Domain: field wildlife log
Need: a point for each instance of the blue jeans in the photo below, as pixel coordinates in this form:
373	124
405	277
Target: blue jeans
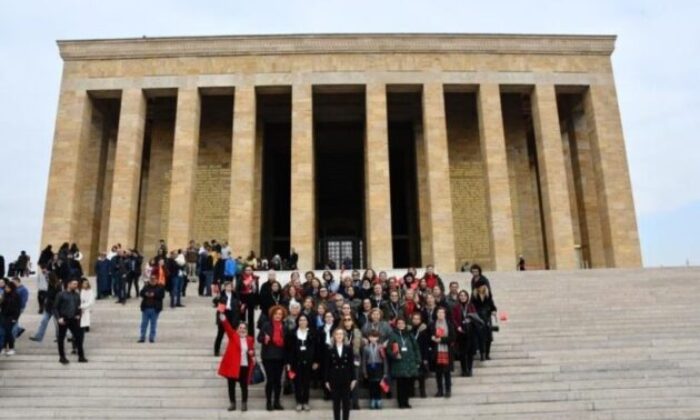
176	290
115	285
149	316
209	279
44	324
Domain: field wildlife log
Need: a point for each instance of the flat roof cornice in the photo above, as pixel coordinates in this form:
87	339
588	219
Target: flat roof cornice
238	45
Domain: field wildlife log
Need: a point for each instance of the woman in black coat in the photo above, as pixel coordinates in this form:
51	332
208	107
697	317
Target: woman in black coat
484	306
271	337
468	324
340	377
324	335
441	335
301	349
420	332
10	310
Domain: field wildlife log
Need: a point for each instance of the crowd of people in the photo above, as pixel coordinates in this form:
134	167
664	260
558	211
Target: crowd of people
63	294
364	330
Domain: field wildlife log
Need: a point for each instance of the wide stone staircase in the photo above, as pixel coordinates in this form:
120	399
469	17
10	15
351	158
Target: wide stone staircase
595	344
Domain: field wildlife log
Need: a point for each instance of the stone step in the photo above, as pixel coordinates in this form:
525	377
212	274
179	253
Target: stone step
629	353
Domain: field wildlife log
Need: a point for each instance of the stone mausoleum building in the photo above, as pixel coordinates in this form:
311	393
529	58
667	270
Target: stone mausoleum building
394	149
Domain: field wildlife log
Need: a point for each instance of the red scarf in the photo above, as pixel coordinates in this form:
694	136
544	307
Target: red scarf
277	338
410	307
430	280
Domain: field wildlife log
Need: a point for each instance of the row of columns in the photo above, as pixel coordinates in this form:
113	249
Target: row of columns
601	108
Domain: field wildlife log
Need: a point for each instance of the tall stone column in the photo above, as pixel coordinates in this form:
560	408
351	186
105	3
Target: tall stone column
184	168
377	185
619	222
426	250
127	169
242	226
303	201
72	131
493	150
555	192
438	170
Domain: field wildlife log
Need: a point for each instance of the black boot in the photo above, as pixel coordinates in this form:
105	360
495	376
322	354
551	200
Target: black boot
269	405
278	406
232	407
488	351
244	406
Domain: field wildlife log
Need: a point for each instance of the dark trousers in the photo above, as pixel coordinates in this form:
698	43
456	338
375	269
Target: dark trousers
249	316
375	392
74	326
121	288
40	296
132	280
466	361
202	284
185	281
421	385
341	401
242	382
176	291
220	334
7	326
443	376
403	389
302	383
273	375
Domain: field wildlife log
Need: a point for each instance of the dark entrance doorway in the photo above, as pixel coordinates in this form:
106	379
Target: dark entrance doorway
275	128
404	115
339	129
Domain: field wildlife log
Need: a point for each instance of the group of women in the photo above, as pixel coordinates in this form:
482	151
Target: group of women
372	331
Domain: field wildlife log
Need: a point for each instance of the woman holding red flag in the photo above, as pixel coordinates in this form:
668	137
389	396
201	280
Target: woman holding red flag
238	362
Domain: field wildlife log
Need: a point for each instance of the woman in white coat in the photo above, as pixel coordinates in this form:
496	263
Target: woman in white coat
87	300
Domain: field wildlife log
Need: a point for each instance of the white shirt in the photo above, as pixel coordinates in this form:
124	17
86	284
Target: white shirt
301	335
244	351
340	350
327	330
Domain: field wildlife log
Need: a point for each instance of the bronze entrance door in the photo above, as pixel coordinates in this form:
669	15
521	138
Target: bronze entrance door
336	250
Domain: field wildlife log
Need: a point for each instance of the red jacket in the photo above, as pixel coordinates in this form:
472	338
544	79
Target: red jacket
230	365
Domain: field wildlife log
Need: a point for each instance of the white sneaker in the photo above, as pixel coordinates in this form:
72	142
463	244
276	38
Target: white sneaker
10	353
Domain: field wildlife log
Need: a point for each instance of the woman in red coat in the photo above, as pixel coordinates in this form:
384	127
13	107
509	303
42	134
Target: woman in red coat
238	362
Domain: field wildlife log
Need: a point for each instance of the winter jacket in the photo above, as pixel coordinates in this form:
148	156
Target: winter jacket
404	353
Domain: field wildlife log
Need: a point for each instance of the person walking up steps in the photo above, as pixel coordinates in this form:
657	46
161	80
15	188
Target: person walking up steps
67	312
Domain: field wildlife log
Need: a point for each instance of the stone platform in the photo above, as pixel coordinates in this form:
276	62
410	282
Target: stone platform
597	344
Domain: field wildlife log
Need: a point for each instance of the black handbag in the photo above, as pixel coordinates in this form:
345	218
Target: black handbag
494	323
258	374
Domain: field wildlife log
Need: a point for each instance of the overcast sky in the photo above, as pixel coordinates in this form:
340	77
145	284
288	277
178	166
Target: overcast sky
656	63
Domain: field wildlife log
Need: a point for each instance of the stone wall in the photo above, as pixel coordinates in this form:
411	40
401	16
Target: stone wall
469	207
523	184
213	179
157	184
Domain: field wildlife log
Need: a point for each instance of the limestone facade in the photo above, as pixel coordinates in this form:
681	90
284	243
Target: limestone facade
519	148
